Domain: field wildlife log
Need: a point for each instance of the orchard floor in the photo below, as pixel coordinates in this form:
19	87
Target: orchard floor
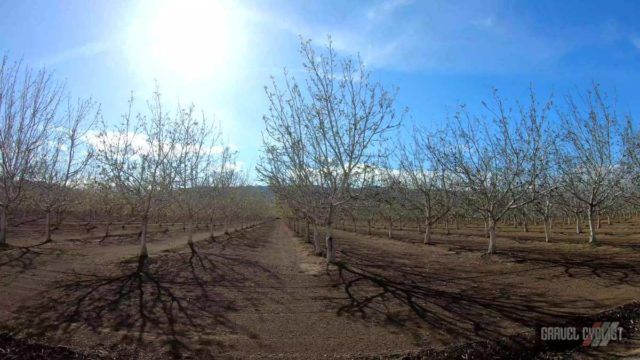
261	293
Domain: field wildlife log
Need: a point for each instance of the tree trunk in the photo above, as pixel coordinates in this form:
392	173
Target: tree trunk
211	226
592	227
355	226
578	228
58	218
47	230
457	219
369	227
599	223
316	241
143	239
486	229
190	236
3	225
390	229
306	233
106	231
608	219
331	251
547	230
525	223
492	237
427	233
446	226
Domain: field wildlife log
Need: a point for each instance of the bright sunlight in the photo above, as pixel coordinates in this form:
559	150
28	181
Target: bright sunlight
189	40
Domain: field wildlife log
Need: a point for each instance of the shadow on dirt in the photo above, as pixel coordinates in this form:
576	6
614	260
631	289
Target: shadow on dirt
177	300
469	307
575	263
23	257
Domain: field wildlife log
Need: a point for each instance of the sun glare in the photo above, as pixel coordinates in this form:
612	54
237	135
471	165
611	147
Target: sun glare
188	39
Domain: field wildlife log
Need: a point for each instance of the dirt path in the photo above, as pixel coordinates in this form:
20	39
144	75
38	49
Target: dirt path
296	308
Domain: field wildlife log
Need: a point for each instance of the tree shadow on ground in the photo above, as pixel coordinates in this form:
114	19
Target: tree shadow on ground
575	263
177	302
23	257
450	307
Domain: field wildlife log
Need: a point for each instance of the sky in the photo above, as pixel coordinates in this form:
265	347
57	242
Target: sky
220	54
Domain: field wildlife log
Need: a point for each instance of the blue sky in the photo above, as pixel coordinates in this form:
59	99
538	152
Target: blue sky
220	54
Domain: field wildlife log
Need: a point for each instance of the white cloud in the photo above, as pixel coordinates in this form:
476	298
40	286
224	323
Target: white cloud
97	140
635	41
385	8
85	50
139	142
479	37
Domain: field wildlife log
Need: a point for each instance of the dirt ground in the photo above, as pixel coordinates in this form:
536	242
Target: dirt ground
261	293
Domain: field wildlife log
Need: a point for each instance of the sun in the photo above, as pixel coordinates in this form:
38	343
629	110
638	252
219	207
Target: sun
188	39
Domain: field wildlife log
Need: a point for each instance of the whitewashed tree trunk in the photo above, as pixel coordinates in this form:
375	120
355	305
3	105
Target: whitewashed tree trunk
190	236
547	230
47	225
316	241
143	239
492	237
592	227
427	233
486	229
578	227
329	243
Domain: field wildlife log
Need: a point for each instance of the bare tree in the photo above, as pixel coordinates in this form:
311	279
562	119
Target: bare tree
63	158
222	175
390	206
139	159
325	136
230	201
496	163
631	163
428	182
196	142
28	104
590	155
